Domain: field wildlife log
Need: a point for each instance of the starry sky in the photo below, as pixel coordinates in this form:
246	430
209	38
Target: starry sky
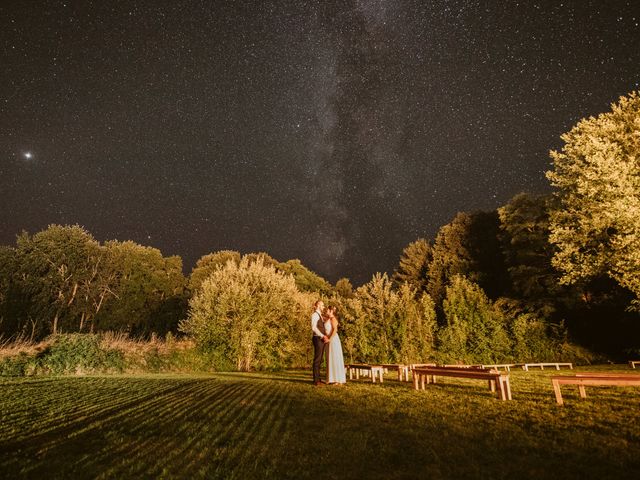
335	132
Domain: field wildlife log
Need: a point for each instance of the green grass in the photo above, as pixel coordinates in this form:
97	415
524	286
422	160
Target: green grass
279	426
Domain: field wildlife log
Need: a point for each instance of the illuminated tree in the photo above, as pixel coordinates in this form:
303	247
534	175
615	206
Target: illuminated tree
597	173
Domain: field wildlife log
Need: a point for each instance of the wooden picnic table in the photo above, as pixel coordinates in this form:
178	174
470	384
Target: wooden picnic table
497	380
557	365
358	368
592	379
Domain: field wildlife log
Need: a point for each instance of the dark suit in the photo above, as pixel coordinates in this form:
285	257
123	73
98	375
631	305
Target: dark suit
318	345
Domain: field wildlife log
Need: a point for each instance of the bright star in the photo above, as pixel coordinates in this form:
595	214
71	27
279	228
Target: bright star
28	155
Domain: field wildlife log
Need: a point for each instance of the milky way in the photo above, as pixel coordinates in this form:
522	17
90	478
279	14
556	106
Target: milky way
335	132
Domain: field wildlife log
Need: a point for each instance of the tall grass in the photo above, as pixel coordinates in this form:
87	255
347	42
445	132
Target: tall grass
110	352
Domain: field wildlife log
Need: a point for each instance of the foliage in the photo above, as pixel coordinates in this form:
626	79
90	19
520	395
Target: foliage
148	290
57	272
248	316
475	331
597	173
74	353
414	265
524	224
344	288
108	352
208	264
306	280
468	246
62	279
381	324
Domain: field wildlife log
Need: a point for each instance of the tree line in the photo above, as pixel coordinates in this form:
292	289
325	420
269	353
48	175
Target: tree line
515	283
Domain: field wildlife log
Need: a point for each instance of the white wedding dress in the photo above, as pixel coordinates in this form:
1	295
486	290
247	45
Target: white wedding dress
335	368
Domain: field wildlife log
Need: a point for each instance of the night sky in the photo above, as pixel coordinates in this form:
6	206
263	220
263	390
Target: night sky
335	132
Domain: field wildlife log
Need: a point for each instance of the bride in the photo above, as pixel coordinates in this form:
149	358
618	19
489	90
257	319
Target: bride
335	362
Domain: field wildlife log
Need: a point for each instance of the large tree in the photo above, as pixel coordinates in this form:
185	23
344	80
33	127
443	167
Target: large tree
597	174
249	316
58	272
148	290
468	246
414	265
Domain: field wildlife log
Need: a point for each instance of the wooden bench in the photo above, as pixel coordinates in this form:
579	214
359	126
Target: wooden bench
633	363
557	365
498	366
592	379
403	370
361	368
419	365
497	380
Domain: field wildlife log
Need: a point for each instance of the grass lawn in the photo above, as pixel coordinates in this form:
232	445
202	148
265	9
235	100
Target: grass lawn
280	426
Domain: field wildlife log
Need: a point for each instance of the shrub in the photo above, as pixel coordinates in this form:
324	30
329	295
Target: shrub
78	353
248	315
475	331
381	324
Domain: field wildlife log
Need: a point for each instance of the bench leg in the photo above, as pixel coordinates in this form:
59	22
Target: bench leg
556	390
381	376
415	381
583	393
350	374
373	377
502	394
557	367
492	386
422	379
507	385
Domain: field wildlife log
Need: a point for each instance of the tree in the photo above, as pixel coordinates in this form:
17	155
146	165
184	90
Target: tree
596	230
208	264
57	271
475	330
382	324
524	224
414	265
248	316
344	288
468	246
306	280
148	290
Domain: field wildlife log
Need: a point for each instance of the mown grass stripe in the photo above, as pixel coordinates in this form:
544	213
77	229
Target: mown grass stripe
139	423
269	445
133	464
238	435
62	430
48	450
236	413
92	404
212	443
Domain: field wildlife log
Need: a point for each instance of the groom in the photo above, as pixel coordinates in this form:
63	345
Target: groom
320	340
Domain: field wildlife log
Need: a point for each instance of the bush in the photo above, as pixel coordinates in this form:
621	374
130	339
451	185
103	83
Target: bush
248	315
384	325
78	353
475	331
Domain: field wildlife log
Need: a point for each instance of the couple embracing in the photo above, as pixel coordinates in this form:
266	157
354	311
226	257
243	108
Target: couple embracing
324	324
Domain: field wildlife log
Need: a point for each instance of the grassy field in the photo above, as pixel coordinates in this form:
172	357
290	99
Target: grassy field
279	426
